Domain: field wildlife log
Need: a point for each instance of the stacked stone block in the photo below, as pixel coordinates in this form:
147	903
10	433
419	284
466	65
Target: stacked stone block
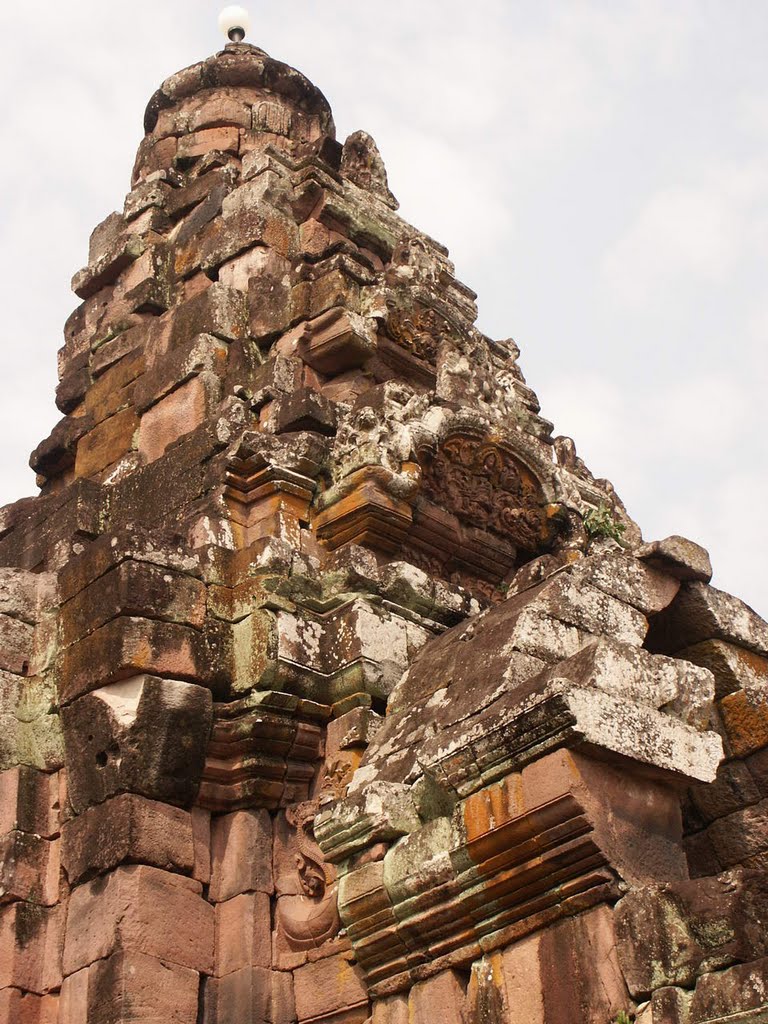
334	687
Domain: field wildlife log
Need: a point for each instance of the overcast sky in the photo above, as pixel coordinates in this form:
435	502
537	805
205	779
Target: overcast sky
599	171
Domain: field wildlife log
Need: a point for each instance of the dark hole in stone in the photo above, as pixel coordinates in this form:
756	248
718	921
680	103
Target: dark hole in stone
101	759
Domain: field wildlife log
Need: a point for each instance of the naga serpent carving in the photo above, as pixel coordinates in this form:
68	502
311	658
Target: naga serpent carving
310	918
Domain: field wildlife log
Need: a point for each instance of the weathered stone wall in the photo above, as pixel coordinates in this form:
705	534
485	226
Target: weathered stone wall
334	687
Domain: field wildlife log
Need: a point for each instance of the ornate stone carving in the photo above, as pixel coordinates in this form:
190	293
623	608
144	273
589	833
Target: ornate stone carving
419	331
362	164
338	774
485	485
307	913
314	875
272	117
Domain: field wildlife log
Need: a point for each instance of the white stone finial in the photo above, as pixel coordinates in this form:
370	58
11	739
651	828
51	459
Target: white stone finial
234	22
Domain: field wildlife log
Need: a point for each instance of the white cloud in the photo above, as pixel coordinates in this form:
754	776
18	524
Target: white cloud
679	233
691	235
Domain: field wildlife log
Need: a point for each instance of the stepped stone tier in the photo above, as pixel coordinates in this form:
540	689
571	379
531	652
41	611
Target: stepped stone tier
335	688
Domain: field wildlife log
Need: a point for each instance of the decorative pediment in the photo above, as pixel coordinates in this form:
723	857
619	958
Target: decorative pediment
482	483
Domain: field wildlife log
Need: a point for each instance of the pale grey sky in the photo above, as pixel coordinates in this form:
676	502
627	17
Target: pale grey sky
599	171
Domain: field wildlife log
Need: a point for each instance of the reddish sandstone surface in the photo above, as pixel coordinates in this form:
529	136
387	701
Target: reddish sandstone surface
334	687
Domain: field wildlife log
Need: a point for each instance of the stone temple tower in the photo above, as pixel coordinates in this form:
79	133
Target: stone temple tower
335	688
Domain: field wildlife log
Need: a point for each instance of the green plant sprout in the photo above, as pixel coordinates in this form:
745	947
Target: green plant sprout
600	522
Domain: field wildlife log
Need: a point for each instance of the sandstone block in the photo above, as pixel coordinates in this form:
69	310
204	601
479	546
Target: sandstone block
745	717
700	853
219	311
154	156
127	828
225	239
31	939
733	667
629	580
201	354
144	196
16	645
128	646
549	639
264	276
670	1006
241	855
225	139
733	789
278	376
644	735
394	1010
105	236
440	998
678	557
468	755
201	838
700	612
520	969
131	988
23	594
420	861
134	588
382	812
676	687
362	893
217	183
126	737
243	933
250	994
29	869
353	730
671	934
73	999
29	801
140	909
336	283
18	1007
338	340
106	443
179	413
333	984
113	390
363	634
570	972
124	542
305	409
218	111
636	821
740	993
315	238
577	603
30	731
106	270
741	836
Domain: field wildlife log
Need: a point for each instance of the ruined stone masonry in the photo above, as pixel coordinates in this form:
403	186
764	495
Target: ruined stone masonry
335	688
